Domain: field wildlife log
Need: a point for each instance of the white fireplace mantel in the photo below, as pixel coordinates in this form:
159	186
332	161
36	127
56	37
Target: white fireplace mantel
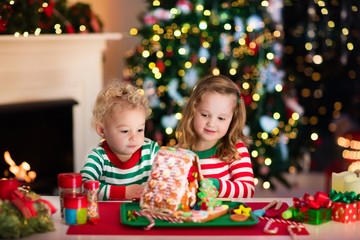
52	67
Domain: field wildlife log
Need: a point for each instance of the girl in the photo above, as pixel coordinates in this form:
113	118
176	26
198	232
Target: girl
122	162
212	126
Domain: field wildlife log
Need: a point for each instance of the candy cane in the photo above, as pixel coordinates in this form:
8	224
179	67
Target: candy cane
283	221
267	227
152	222
169	219
291	232
151	217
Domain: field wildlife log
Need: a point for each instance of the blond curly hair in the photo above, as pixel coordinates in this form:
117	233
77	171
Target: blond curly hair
185	132
121	94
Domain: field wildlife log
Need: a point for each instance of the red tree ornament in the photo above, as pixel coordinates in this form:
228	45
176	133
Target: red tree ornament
49	9
161	66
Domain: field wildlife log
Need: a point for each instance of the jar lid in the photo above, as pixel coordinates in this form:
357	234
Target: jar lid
91	184
75	201
69	180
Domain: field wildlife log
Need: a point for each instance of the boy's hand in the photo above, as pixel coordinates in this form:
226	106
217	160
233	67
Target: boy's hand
133	191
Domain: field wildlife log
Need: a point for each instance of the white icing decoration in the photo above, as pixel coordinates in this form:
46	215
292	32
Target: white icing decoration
162	185
166	173
171	162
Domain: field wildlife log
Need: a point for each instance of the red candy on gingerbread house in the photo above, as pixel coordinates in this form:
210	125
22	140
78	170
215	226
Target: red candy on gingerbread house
172	189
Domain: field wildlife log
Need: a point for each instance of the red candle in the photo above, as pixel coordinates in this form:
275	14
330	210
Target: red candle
7	187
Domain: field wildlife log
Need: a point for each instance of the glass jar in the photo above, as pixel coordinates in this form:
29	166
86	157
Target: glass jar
69	183
75	209
91	190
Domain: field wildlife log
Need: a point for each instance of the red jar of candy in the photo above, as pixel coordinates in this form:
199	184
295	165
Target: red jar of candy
75	209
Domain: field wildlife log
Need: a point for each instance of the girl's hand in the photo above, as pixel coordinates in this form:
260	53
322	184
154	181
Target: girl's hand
133	191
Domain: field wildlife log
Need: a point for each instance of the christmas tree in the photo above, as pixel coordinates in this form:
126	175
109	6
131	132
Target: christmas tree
182	41
24	18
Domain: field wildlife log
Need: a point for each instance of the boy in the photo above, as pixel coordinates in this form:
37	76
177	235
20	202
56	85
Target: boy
123	160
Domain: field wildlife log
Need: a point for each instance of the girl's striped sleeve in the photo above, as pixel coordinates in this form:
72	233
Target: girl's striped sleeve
242	183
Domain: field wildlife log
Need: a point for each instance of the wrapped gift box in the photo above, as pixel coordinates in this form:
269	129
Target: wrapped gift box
310	209
312	216
345	212
346	206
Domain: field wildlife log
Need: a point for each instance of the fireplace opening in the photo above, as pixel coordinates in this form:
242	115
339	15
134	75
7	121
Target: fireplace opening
41	134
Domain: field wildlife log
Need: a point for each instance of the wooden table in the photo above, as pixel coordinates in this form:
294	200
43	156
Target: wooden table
329	230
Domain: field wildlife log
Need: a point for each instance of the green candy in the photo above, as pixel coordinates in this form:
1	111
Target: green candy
186	214
81	216
287	214
202	195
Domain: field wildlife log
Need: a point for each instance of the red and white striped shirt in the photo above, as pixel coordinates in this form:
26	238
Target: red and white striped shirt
236	179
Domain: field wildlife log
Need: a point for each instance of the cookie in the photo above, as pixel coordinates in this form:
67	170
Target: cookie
238	217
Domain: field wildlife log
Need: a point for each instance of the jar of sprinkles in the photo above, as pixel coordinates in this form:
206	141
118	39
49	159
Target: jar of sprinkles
91	190
75	209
